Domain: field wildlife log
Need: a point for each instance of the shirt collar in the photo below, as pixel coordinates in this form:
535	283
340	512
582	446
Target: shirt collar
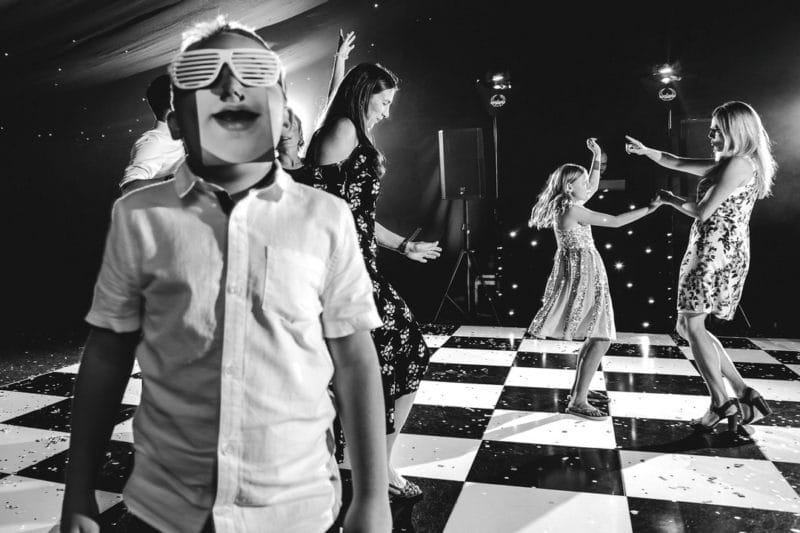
186	180
162	127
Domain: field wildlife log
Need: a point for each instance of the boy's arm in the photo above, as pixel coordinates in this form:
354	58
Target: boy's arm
357	386
105	368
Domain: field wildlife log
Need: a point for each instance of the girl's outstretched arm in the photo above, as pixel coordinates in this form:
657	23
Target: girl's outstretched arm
696	167
580	215
343	49
736	173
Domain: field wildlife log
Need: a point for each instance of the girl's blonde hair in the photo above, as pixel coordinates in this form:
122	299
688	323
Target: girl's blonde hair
554	200
744	135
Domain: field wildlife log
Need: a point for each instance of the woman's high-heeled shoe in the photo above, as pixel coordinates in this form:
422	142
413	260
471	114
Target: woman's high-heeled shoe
754	401
722	412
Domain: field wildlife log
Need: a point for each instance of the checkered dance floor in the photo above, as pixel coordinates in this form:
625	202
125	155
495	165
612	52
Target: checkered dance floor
489	444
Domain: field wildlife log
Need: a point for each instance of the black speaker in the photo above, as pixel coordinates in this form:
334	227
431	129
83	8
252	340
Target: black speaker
461	163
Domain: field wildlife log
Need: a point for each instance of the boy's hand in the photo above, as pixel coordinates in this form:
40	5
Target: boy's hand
591	143
368	515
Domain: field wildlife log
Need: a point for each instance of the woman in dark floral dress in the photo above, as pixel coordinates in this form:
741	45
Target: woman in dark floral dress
342	160
717	257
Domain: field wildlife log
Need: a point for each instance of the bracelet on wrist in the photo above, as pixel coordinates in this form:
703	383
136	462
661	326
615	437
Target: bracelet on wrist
403	248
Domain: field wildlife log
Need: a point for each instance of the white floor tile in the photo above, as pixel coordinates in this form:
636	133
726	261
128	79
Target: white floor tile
551	378
34	505
13	403
550	428
658	406
71	369
461	356
484	508
21	447
434	457
792	345
133	392
655	339
495	332
711	480
123	431
547	346
649	365
778	443
434	341
795	369
458	394
740	355
776	389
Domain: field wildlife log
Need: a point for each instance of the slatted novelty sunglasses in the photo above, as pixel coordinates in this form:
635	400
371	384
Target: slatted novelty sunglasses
254	67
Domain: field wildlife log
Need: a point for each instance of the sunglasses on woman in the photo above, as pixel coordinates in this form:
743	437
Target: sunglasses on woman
254	67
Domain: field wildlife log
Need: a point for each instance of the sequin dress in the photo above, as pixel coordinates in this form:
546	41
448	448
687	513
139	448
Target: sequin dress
717	257
401	347
576	303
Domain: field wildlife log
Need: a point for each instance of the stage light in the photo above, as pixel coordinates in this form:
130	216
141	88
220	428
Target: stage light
632	207
665	70
630	232
650	301
645	324
647	250
497	100
512	233
514	286
600	197
534	243
510	312
619	265
608	246
665	80
629	284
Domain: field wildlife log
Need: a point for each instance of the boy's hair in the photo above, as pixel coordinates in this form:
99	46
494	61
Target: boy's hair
159	96
553	200
744	135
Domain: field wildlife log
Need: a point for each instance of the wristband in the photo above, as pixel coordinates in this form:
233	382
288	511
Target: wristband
403	246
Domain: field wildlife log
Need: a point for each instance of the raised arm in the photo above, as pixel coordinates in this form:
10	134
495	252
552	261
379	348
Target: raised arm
694	166
105	368
357	386
581	215
343	49
594	169
736	173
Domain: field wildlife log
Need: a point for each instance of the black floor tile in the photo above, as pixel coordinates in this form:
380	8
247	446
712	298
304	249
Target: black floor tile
533	399
786	357
663	515
654	383
567	361
483	343
439	329
446	421
455	373
766	371
114	519
57	416
636	350
680	341
784	414
549	467
790	472
670	436
738	342
114	472
54	383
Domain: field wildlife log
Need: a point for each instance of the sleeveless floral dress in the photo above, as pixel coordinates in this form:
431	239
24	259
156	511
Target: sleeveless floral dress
576	303
717	257
402	352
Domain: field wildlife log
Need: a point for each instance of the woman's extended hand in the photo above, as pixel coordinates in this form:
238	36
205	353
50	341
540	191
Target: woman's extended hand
635	147
422	251
345	45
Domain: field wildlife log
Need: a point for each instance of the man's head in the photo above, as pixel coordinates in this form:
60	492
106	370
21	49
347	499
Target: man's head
228	95
603	162
159	96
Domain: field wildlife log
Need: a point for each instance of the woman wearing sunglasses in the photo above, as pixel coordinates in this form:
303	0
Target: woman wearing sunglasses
343	160
717	257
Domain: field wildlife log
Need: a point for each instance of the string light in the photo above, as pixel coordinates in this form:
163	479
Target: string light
648	250
514	286
534	243
608	246
619	265
512	233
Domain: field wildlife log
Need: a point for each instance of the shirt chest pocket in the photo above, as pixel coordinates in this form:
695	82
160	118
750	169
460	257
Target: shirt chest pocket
293	284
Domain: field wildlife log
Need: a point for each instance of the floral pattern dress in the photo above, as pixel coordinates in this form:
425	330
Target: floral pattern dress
576	303
717	257
401	348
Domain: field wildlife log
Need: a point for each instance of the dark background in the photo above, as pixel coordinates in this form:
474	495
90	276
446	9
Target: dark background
576	72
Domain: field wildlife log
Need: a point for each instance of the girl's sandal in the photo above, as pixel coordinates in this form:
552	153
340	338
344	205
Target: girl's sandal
589	413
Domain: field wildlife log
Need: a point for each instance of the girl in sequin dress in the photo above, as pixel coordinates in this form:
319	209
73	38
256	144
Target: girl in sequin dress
717	257
577	303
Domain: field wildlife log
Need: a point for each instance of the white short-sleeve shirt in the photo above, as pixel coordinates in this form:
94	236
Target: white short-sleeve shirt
235	412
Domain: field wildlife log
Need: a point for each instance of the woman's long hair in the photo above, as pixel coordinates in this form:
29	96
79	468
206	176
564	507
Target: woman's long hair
745	135
351	101
554	200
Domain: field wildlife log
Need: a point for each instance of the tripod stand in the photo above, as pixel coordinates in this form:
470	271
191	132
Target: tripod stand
466	256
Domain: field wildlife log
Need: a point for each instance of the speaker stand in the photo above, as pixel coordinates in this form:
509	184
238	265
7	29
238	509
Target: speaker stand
466	256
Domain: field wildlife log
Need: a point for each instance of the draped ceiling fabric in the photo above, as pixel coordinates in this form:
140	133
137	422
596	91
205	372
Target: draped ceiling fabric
77	43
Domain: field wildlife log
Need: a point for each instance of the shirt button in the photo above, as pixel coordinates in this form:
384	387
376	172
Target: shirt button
231	289
229	370
228	449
